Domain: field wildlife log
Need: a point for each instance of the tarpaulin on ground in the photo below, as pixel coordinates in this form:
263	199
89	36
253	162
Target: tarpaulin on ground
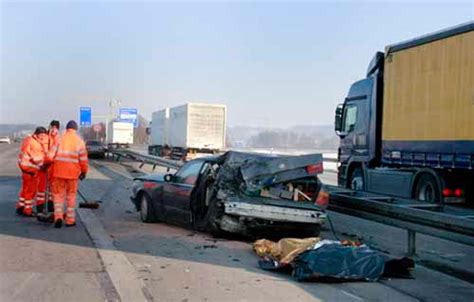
313	259
335	261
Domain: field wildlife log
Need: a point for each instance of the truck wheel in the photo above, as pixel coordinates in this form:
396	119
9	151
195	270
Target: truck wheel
147	214
427	189
356	181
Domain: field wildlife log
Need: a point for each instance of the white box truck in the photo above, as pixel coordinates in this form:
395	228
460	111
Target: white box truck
182	131
120	134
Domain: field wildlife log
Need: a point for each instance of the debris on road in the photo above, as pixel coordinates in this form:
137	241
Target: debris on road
315	259
253	191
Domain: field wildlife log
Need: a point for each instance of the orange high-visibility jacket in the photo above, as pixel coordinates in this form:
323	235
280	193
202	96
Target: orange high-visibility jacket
70	159
50	144
31	156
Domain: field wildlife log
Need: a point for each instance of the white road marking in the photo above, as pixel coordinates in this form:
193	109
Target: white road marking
122	273
352	295
23	284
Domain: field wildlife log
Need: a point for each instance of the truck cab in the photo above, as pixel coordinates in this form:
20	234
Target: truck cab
356	124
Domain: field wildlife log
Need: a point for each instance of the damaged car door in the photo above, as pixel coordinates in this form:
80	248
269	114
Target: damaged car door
177	191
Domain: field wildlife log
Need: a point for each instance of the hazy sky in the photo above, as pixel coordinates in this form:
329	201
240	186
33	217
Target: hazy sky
273	64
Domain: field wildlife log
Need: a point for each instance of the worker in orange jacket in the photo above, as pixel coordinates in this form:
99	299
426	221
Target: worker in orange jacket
44	181
30	161
70	163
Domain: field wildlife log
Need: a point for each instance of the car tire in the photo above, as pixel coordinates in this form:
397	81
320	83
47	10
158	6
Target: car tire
356	181
147	211
427	189
209	221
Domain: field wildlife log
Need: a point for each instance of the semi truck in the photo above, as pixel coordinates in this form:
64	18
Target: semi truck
407	129
182	132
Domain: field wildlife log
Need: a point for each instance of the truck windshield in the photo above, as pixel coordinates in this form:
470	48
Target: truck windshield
350	117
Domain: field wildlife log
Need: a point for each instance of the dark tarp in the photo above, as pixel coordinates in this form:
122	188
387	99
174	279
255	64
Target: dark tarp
338	262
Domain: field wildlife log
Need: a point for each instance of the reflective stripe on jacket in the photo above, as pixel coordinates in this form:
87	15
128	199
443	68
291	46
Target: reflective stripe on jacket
70	156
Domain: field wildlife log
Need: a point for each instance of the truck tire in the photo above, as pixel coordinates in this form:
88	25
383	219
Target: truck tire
356	180
147	211
427	189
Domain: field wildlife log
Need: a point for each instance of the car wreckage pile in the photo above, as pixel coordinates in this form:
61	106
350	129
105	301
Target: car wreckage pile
239	192
315	259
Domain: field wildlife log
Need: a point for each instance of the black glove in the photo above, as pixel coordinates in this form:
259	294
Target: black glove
82	176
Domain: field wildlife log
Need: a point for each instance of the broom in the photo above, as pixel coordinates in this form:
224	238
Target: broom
49	217
87	204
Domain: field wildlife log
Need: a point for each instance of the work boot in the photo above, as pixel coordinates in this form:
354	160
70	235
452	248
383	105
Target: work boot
19	211
58	223
70	224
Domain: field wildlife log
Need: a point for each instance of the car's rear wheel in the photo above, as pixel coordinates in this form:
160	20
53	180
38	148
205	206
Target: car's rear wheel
206	218
147	213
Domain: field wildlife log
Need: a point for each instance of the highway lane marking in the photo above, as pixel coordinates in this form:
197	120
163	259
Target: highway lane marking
124	277
23	284
352	295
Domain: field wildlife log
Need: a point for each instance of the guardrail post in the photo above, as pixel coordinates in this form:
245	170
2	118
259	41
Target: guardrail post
411	243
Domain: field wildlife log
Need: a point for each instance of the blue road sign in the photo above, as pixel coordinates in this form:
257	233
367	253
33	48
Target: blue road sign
129	115
85	116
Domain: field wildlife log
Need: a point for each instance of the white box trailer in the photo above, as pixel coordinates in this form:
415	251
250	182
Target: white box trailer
190	128
119	133
159	127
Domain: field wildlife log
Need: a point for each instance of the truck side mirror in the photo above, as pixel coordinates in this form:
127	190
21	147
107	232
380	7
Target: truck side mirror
338	118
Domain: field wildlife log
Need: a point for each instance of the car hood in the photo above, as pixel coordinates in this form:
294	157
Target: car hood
152	177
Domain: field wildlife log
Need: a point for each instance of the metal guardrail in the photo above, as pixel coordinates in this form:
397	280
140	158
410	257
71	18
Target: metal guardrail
414	216
159	161
145	159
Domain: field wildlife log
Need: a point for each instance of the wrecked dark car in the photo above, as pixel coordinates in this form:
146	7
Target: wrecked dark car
238	193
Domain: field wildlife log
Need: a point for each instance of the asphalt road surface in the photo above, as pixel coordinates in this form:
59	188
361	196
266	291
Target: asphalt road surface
112	256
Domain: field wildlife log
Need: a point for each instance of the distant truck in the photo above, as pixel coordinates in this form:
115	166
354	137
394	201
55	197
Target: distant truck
407	129
119	134
183	131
